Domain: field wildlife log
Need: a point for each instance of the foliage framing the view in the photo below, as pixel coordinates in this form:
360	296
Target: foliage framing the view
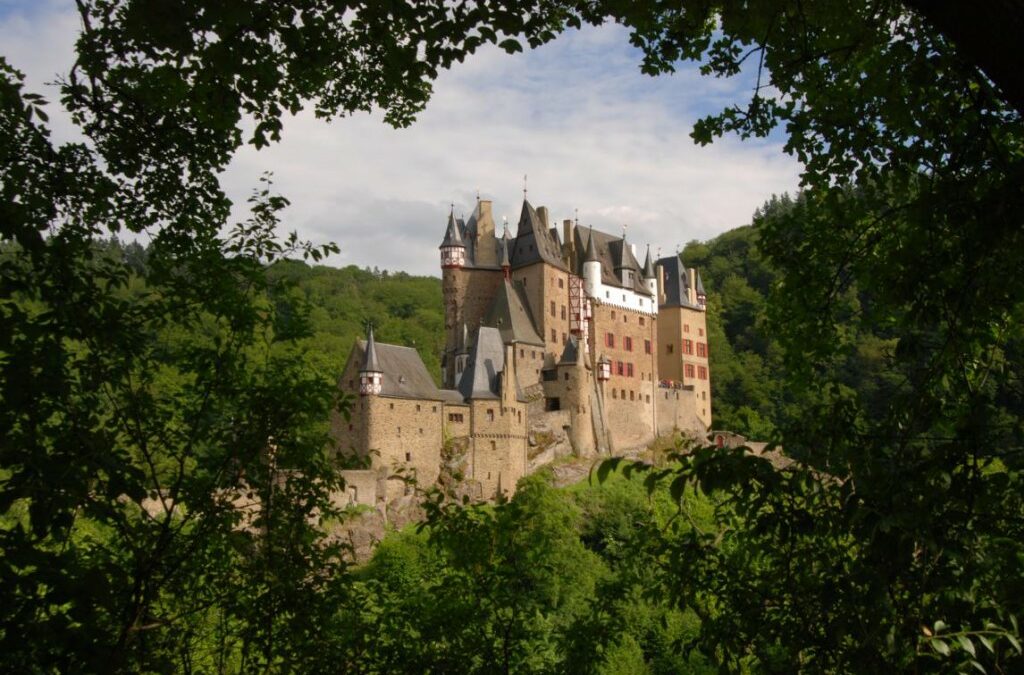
894	538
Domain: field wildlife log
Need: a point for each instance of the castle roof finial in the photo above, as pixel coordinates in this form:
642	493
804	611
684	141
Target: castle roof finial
524	187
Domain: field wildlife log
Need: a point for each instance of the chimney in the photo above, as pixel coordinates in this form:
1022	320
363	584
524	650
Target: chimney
542	215
660	270
568	240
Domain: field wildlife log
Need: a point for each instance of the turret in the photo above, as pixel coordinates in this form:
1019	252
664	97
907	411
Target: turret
370	375
702	297
604	368
506	265
650	276
591	268
453	248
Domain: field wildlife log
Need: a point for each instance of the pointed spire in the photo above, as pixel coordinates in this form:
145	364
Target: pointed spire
649	266
370	362
505	264
452	235
591	254
699	286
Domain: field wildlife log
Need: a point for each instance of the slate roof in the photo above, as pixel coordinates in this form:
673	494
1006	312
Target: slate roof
572	354
509	314
613	253
405	376
649	272
675	282
371	364
453	233
486	360
533	242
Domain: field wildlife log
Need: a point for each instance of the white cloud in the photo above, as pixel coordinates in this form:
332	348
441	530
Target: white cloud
576	116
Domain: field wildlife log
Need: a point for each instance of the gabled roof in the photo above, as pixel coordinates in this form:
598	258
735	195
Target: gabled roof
533	242
611	252
486	361
676	283
404	375
509	314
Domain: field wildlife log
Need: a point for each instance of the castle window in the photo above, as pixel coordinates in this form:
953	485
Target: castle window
433	408
647	346
554	335
686	328
490	414
703	396
563	311
533	353
687	346
623	392
614	393
567	376
632	394
564	338
668	348
609	340
391	406
688	369
629	370
552	308
399	431
607	294
623	297
522	353
702	349
625	318
613	313
408	456
421	431
455	417
648	399
417	407
561	283
494	446
620	368
642	320
627	343
700	331
702	373
520	415
552	404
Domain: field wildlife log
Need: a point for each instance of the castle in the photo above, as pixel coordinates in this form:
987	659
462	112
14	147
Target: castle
545	329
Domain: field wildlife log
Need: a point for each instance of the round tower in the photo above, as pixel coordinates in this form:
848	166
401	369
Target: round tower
591	268
453	248
650	276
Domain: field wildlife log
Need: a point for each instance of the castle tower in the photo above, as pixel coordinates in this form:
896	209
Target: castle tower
682	334
371	376
650	276
453	248
591	268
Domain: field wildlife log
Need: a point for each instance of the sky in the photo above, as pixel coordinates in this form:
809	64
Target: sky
594	137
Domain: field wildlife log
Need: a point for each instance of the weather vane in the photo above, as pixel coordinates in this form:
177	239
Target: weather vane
623	230
524	186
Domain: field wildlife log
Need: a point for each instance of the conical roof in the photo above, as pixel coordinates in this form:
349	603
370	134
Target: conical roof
370	361
649	266
452	235
503	244
591	255
699	286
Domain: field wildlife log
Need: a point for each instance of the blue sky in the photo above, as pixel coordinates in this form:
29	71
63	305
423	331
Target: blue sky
576	116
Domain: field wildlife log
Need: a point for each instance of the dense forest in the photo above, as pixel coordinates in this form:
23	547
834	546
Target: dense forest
164	492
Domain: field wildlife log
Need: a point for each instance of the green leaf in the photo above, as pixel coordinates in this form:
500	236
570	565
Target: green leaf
940	646
966	643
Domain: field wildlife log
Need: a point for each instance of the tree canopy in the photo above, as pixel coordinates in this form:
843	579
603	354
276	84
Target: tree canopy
136	417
